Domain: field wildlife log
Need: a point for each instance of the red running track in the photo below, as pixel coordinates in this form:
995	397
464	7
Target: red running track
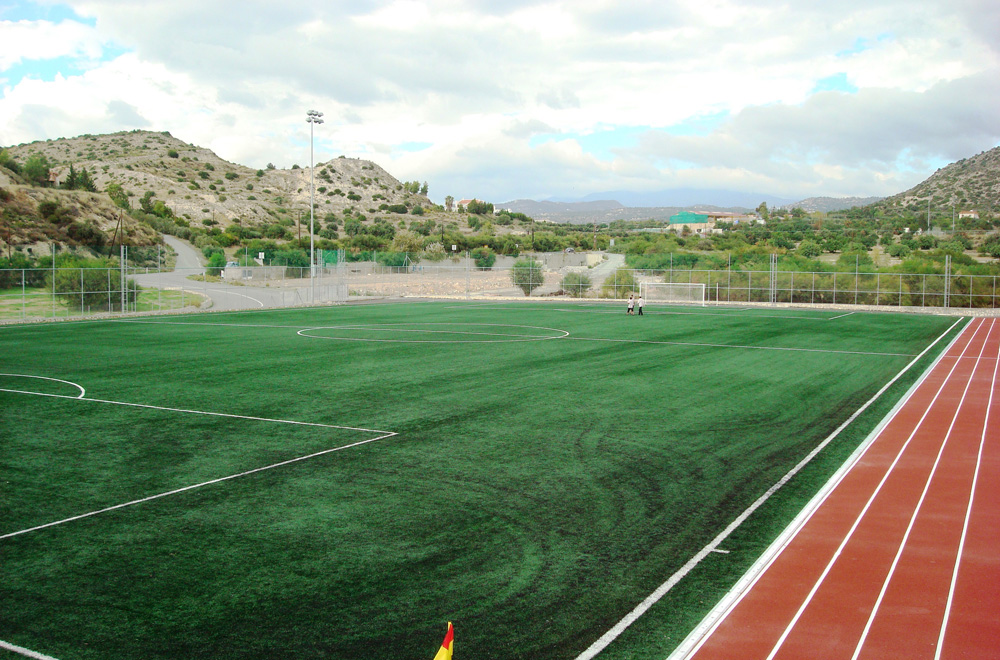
902	557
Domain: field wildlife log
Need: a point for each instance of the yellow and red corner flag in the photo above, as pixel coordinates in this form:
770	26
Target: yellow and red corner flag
447	646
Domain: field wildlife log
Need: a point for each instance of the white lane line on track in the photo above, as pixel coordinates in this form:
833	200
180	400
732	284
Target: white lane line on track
919	506
692	563
968	514
864	511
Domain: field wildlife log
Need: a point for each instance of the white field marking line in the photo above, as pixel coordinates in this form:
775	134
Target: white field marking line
761	348
585	309
229	293
864	510
197	324
23	651
703	631
841	316
56	380
968	515
390	328
382	436
664	588
193	486
918	507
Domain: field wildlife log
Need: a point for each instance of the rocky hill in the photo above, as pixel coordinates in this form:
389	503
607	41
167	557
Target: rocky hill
971	184
201	187
829	204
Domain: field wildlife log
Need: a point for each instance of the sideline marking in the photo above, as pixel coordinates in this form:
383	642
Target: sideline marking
589	309
761	348
23	651
672	581
383	435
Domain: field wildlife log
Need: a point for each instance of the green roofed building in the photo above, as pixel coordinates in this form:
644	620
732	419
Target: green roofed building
696	222
688	218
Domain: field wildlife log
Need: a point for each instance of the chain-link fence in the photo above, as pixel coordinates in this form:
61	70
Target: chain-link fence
29	294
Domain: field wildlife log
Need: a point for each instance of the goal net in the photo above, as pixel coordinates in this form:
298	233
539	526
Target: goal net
693	293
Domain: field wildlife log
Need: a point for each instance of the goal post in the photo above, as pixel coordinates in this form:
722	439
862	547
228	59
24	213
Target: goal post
673	292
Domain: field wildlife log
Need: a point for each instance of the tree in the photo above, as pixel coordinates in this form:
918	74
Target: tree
576	284
84	182
763	212
423	189
146	202
527	275
810	249
71	179
36	169
118	196
484	258
449	202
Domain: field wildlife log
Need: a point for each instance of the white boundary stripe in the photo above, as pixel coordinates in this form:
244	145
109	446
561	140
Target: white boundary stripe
760	348
840	316
382	436
664	588
23	651
968	515
589	309
920	504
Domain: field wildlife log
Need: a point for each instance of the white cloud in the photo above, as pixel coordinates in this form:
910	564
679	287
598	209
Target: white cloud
480	81
43	40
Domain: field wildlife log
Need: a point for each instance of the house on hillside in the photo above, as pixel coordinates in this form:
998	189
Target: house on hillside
974	215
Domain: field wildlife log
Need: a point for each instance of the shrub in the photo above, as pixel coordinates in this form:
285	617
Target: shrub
527	275
619	284
576	284
484	258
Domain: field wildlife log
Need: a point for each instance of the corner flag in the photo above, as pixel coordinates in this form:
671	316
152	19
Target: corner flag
447	646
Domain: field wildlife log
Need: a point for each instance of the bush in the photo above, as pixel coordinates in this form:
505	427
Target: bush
576	284
484	258
100	292
216	263
619	284
527	275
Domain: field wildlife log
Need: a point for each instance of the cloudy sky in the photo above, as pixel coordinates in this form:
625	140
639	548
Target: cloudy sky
527	99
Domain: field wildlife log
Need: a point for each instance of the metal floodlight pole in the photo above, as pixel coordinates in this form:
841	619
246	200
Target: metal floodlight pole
312	117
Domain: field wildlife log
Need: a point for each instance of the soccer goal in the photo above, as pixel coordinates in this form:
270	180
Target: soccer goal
690	293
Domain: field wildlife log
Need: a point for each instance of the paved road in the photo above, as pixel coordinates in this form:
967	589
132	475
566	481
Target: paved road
223	297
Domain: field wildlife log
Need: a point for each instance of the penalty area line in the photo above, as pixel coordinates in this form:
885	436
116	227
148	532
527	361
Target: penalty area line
14	648
194	486
381	436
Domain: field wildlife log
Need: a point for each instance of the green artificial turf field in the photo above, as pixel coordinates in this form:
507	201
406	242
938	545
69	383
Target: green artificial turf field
530	472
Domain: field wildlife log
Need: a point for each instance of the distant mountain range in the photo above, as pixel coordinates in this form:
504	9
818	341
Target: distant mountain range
624	205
